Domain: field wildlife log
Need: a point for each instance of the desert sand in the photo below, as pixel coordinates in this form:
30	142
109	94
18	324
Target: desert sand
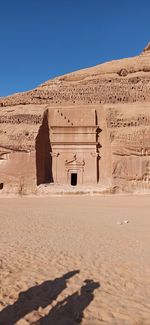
71	260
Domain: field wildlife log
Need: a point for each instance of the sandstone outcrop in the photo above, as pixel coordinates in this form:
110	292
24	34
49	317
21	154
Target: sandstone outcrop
118	92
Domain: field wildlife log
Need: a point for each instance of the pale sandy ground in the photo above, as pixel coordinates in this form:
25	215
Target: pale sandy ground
42	239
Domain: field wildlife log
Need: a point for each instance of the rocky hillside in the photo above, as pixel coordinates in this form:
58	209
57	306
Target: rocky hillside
119	91
125	81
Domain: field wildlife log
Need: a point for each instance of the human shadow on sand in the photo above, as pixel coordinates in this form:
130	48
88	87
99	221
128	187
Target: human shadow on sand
38	296
70	310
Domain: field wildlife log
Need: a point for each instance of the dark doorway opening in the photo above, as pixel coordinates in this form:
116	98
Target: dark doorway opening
73	179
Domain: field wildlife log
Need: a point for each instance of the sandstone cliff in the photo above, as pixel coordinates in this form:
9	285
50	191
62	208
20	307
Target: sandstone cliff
125	80
119	91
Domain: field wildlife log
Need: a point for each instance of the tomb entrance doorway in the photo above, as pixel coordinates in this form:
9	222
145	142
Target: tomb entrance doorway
74	179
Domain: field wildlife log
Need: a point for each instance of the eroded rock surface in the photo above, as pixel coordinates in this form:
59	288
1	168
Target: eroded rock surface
125	80
119	91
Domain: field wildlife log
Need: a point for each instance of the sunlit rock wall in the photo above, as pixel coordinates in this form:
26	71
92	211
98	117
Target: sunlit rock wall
119	91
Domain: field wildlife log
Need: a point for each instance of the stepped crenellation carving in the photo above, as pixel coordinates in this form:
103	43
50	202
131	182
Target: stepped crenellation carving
66	119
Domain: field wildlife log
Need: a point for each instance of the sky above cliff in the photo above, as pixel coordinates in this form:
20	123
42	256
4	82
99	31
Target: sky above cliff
40	39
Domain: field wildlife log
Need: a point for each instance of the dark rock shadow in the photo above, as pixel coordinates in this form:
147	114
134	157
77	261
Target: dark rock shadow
43	153
70	310
38	296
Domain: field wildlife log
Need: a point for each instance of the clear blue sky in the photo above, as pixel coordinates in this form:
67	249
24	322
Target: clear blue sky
40	39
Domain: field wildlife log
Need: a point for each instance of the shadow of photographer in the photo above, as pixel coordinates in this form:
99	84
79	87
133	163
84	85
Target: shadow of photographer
38	296
70	310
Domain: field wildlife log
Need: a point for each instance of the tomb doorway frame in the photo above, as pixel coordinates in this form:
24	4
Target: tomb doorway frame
75	167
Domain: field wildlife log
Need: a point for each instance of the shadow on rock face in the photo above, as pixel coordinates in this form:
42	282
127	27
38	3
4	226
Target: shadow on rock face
43	154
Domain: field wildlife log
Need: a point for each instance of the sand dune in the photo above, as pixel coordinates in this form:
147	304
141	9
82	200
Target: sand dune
72	260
